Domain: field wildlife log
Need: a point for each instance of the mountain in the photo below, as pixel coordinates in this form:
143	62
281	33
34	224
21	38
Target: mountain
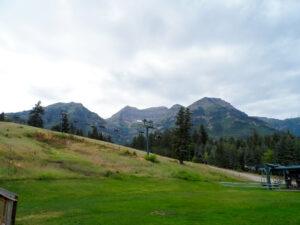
222	119
78	115
219	116
131	114
126	123
292	124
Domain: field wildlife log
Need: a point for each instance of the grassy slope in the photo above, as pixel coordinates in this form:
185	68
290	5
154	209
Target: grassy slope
113	186
30	153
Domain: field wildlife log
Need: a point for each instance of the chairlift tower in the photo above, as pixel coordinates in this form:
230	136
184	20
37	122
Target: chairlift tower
147	124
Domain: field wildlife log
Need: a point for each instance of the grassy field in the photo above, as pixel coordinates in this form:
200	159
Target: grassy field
64	179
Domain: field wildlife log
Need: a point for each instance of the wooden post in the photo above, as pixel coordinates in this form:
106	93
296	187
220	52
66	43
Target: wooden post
268	171
9	207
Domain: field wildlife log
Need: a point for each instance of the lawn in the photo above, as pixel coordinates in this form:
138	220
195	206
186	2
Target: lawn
137	200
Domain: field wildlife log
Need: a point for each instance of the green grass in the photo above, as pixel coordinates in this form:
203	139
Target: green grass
63	179
132	200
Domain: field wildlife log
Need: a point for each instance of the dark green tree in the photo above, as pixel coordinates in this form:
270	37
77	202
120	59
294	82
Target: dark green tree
101	136
56	127
199	139
139	142
220	155
182	135
203	135
35	115
79	132
65	127
94	134
2	116
72	129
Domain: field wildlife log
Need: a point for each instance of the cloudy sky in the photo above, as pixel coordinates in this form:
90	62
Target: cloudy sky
108	54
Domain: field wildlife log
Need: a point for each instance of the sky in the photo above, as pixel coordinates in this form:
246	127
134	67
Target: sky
108	54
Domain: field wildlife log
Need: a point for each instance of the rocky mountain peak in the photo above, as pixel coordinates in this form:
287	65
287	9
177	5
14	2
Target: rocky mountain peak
207	103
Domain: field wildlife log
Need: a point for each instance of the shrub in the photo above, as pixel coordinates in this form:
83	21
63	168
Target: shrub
195	159
128	153
151	158
108	173
46	176
185	175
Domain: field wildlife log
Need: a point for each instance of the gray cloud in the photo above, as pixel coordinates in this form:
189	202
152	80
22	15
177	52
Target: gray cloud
148	53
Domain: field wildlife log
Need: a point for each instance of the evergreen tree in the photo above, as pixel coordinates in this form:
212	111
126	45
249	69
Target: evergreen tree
220	158
35	116
2	116
108	139
94	134
199	139
182	134
203	135
56	127
72	129
79	132
268	156
101	137
65	123
139	142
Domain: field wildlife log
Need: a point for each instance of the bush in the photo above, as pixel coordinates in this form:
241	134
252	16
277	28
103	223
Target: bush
128	153
108	173
196	159
186	175
151	158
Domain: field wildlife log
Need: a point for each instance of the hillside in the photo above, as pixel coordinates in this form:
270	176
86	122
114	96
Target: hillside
27	152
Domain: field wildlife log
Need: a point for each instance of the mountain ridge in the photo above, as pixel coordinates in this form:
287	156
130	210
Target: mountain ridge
218	116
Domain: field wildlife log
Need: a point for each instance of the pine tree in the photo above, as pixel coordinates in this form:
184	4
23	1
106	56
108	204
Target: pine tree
200	139
220	158
94	134
35	116
139	142
79	132
182	134
101	136
72	129
56	127
2	116
203	135
65	123
109	139
268	156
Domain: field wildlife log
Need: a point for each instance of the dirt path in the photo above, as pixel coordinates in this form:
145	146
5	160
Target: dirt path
243	175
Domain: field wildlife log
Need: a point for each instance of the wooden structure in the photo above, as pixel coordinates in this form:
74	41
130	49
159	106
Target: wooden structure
8	207
290	173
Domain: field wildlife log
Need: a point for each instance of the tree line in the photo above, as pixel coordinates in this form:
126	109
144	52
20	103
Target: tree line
185	143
